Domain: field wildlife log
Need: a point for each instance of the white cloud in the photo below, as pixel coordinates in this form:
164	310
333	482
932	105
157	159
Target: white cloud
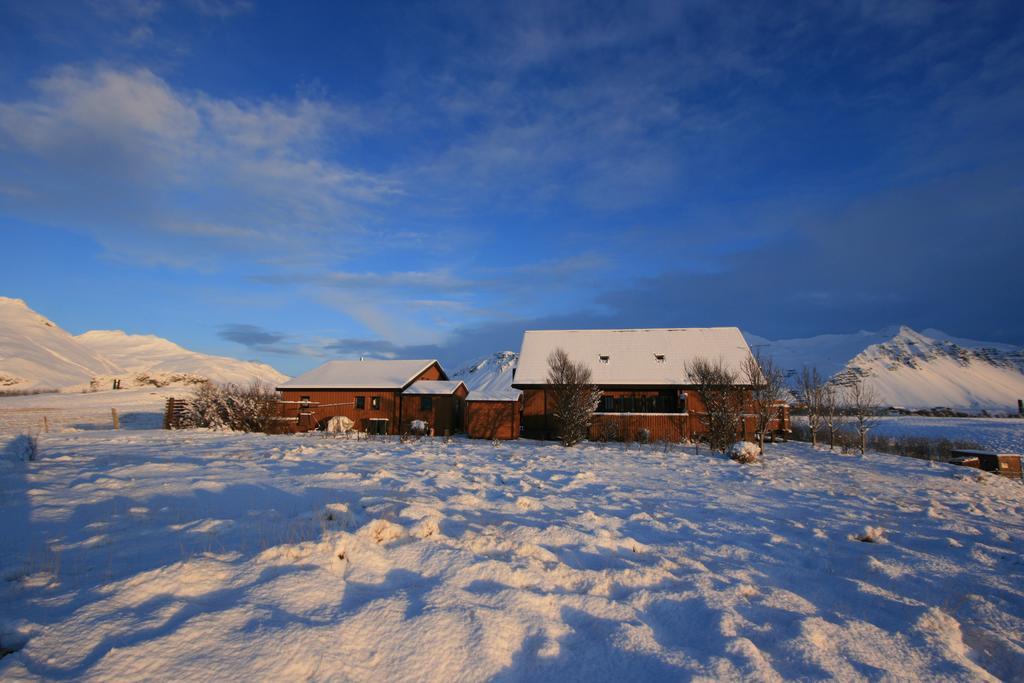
133	159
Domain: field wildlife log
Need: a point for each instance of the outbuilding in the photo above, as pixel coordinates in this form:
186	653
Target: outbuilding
438	404
493	415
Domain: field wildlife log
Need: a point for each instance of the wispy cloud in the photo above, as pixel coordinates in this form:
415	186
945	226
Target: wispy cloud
124	155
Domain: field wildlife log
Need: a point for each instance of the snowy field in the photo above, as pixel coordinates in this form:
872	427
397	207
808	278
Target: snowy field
1005	435
192	555
136	409
1001	434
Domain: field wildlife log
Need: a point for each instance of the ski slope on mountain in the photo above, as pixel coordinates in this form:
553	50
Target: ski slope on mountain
155	355
911	369
37	354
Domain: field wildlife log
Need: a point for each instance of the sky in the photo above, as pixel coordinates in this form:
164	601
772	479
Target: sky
294	182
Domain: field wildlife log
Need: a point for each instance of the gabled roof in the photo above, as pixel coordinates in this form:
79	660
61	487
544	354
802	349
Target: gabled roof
360	374
434	387
650	357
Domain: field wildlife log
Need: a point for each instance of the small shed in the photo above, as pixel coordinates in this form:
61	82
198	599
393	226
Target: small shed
493	415
1006	464
440	404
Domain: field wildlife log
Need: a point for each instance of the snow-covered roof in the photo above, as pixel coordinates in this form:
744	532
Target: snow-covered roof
360	374
434	387
503	395
631	357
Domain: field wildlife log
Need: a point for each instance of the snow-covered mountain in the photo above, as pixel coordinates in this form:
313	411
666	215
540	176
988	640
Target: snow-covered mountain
491	374
37	354
909	368
145	353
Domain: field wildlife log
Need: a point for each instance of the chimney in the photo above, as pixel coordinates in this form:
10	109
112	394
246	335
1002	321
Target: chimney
1020	406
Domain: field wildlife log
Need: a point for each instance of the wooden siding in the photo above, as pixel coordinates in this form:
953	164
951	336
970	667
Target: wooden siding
492	419
445	415
538	423
324	404
627	426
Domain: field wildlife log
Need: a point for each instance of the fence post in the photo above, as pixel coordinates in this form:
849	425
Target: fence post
113	415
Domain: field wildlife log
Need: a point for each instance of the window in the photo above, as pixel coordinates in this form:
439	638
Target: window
627	404
375	403
305	401
603	359
360	402
426	402
659	358
682	401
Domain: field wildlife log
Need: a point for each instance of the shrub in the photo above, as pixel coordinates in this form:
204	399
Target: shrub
229	406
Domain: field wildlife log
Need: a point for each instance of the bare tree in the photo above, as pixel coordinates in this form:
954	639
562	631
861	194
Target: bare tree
716	386
574	396
767	393
861	402
832	412
811	386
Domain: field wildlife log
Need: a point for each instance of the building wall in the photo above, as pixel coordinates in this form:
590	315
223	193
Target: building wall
324	405
627	427
327	400
444	417
492	419
538	423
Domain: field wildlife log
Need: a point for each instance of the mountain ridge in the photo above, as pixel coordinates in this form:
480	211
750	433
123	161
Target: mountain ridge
36	354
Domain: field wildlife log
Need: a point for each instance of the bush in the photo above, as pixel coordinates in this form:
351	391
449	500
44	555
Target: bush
229	406
744	452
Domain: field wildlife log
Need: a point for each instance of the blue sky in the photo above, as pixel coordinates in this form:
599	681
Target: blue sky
293	182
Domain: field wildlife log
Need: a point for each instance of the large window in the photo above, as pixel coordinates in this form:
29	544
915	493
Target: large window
664	402
426	403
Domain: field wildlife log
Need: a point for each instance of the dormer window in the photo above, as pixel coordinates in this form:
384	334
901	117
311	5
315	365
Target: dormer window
659	358
603	359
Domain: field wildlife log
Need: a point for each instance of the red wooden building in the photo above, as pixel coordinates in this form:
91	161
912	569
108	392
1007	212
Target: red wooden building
493	415
642	374
379	396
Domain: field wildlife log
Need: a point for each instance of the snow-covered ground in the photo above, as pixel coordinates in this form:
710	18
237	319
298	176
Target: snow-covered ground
140	408
192	555
1000	434
1006	435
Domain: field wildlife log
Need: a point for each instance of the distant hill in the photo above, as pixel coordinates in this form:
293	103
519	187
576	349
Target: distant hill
491	374
911	369
36	354
153	355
